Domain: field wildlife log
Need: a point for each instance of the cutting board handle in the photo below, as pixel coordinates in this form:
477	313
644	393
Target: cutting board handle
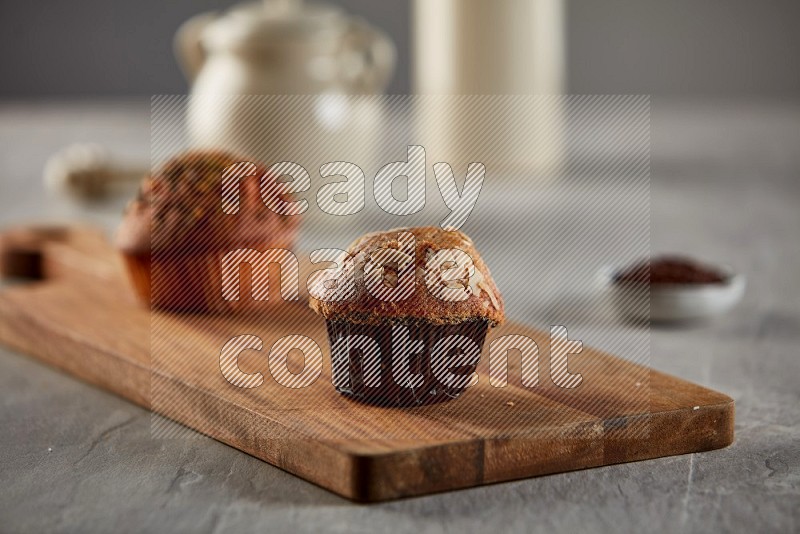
42	251
22	249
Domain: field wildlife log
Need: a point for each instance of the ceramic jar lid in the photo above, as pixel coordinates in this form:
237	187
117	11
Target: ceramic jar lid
258	25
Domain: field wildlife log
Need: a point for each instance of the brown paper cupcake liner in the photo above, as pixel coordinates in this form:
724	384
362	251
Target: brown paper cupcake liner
138	269
187	283
355	377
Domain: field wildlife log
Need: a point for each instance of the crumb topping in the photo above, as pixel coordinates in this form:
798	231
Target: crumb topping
444	262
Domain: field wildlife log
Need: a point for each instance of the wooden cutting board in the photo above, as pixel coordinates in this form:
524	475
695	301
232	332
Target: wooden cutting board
81	317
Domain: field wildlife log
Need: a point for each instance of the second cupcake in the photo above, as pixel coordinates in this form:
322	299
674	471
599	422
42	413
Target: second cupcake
174	234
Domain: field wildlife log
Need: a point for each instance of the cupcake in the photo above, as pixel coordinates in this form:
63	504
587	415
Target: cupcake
174	234
407	314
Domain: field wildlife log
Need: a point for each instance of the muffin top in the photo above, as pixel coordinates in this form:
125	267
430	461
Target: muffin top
179	207
452	284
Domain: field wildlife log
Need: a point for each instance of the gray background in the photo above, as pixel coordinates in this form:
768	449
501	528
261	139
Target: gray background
662	47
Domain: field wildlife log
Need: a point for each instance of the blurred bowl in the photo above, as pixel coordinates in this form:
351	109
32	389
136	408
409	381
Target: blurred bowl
674	302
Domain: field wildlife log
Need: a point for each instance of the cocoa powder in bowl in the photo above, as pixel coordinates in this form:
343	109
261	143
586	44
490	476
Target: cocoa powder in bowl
670	270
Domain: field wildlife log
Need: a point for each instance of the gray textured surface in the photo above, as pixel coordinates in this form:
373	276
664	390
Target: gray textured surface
726	184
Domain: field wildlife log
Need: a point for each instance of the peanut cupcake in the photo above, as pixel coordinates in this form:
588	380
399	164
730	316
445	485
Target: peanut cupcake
407	314
175	233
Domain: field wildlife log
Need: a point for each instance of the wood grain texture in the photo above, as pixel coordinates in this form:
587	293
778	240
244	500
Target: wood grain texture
83	319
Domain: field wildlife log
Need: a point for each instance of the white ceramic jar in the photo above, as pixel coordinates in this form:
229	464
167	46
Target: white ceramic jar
278	48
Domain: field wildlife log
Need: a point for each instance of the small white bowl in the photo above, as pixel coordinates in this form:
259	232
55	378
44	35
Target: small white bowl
674	302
